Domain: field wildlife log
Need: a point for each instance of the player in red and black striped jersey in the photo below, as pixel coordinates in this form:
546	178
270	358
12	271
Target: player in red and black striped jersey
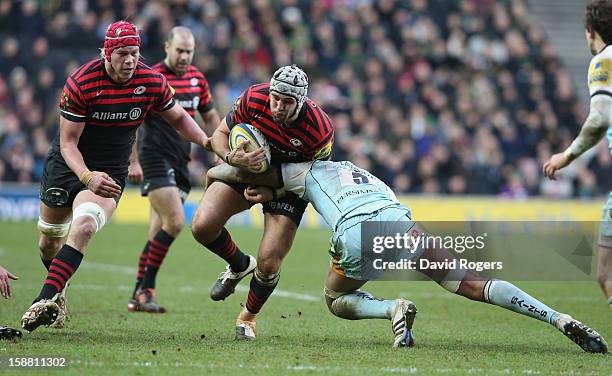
161	163
297	130
102	104
309	136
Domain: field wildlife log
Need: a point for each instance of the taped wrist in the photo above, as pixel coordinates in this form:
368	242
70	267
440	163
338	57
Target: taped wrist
85	177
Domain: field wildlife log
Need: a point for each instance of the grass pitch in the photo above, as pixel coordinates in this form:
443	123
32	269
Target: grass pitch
295	332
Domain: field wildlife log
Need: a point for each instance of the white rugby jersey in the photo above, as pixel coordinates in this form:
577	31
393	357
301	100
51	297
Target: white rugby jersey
600	80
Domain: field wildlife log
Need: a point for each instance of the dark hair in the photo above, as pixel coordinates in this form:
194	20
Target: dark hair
599	19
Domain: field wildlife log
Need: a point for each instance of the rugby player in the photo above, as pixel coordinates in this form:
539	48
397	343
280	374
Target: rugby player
101	106
347	196
297	130
599	38
162	158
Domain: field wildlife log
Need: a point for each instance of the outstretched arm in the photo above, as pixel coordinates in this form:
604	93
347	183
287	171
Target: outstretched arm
263	187
184	124
593	129
230	174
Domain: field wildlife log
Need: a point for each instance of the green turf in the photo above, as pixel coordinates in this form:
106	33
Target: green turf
454	335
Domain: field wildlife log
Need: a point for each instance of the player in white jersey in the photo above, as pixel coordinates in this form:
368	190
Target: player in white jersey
599	38
348	197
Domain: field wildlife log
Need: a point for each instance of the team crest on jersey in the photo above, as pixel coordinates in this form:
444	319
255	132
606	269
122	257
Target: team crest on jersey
135	113
64	101
193	82
599	72
295	142
139	90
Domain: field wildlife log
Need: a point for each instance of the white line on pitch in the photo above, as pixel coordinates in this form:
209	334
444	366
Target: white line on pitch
195	289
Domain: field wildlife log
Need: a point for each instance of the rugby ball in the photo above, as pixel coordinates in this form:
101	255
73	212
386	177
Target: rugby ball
255	139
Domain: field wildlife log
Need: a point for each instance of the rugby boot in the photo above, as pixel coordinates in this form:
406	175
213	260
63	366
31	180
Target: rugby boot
43	312
401	323
228	280
146	301
588	339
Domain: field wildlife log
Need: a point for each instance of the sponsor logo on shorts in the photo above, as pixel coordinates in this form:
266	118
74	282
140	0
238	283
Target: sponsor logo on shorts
282	206
56	196
171	176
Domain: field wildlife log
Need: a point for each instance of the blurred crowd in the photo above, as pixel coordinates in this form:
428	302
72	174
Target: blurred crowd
433	96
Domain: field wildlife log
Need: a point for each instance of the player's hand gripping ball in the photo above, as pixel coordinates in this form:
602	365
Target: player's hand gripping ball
255	139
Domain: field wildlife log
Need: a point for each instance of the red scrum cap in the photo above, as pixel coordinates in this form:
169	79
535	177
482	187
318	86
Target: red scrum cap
120	34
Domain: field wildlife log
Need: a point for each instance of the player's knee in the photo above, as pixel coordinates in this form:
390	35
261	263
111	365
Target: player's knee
604	277
471	289
51	237
204	229
330	298
174	225
269	264
84	227
87	219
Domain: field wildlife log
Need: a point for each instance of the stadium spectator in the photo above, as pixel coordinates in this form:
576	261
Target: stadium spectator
422	72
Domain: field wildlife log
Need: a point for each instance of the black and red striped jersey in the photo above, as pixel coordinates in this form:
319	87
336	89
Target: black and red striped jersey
191	91
310	137
111	111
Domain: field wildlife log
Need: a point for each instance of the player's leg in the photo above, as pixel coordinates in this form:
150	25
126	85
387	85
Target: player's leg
604	271
506	295
90	213
168	208
279	232
154	227
158	173
345	300
53	225
604	260
346	276
219	202
58	189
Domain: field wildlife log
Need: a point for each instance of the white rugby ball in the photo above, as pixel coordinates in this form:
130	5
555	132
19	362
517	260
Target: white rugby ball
255	138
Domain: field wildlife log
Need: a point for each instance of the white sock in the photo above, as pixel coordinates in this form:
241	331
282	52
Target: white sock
362	305
506	295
